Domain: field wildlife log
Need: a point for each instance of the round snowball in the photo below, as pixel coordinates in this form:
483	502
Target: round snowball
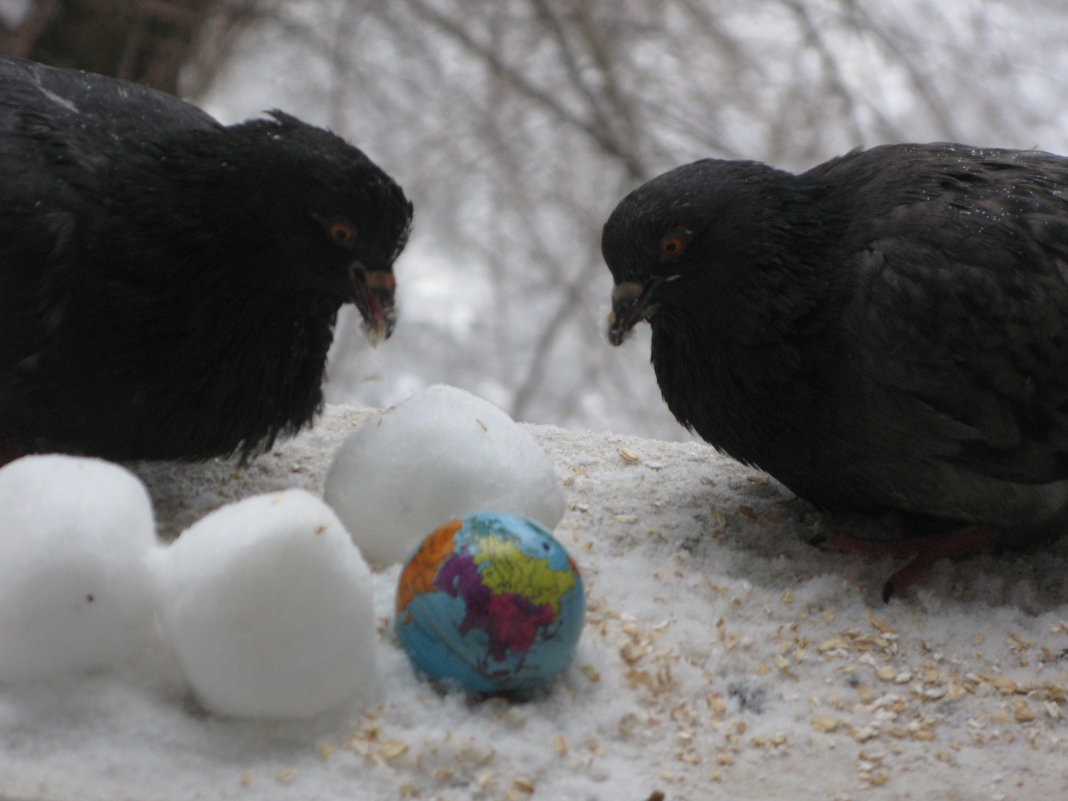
75	584
267	605
441	454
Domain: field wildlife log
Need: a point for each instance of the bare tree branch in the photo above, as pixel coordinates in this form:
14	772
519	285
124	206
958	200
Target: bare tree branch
516	125
495	61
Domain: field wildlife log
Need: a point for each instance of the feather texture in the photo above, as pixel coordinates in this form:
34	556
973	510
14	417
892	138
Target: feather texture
168	285
887	331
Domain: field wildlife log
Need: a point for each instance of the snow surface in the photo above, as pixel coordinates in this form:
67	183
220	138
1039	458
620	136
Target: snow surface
441	454
723	657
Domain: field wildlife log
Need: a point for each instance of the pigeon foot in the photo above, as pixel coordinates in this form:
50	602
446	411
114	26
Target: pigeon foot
925	551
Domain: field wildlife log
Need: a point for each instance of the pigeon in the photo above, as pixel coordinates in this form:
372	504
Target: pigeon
885	333
169	286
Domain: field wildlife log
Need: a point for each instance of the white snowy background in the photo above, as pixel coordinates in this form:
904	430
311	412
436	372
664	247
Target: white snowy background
723	657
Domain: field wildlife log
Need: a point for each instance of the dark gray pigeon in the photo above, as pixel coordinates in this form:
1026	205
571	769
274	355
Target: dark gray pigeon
886	332
169	285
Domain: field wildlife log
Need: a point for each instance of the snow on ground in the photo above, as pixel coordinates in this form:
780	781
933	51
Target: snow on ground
723	657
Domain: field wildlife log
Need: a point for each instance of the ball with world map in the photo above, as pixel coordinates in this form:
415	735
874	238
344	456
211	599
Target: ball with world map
491	603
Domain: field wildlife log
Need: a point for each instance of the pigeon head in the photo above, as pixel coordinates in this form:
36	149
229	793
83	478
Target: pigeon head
281	205
702	223
339	220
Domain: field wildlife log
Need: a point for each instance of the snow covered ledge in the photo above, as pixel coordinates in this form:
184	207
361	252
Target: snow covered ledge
719	648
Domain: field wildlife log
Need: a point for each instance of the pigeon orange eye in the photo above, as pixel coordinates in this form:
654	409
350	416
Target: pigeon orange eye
672	245
341	232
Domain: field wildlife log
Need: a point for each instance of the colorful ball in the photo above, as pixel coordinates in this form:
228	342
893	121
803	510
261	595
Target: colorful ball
492	603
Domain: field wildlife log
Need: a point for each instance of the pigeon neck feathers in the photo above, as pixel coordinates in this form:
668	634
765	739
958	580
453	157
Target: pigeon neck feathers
762	286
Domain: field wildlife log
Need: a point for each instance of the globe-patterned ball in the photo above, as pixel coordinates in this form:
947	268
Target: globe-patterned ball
491	603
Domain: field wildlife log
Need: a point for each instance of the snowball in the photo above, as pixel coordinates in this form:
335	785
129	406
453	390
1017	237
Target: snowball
267	606
441	454
75	585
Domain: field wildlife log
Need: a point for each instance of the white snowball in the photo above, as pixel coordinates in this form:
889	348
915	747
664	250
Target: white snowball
441	454
75	585
267	606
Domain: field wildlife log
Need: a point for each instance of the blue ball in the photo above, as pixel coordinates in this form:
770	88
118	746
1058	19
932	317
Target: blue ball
492	603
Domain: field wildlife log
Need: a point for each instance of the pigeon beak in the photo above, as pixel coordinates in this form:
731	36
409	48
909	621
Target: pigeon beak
631	302
372	292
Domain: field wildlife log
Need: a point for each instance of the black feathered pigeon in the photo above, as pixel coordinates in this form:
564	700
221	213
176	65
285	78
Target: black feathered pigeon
886	332
168	285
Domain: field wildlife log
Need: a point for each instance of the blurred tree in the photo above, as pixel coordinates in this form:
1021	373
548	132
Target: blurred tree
172	45
518	124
